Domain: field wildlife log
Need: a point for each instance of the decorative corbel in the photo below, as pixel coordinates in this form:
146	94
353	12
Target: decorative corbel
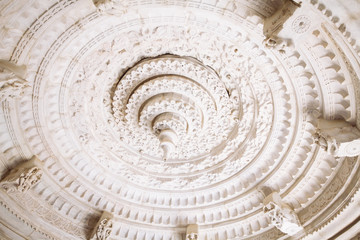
23	177
286	26
192	232
338	138
12	82
112	7
281	215
274	24
103	228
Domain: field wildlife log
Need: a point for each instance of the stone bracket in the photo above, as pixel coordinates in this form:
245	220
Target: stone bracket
103	228
192	232
23	177
281	215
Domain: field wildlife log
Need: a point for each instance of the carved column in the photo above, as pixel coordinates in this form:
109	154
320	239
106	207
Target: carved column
103	228
281	215
338	138
192	232
12	82
23	177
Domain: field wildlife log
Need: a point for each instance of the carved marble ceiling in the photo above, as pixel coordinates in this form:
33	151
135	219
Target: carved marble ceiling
196	119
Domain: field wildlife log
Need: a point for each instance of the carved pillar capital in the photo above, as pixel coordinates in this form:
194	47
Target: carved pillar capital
23	177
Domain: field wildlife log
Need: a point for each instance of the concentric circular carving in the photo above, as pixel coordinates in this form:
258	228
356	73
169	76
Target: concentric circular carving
352	148
175	107
301	24
177	118
177	94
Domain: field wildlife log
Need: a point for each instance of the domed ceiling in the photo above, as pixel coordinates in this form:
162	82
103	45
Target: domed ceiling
161	119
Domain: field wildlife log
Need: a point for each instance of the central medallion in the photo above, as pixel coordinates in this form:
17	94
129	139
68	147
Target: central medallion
174	108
